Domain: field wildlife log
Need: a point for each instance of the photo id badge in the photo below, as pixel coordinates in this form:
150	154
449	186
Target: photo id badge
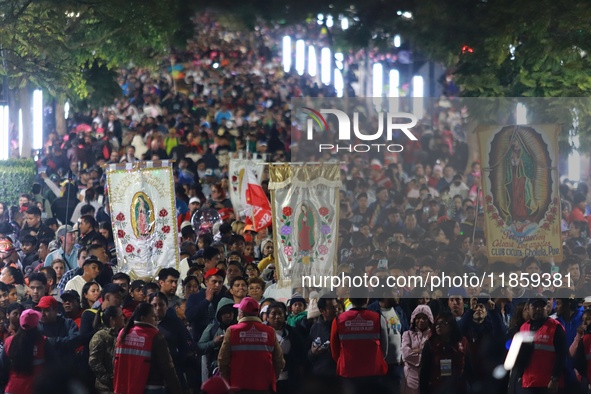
445	367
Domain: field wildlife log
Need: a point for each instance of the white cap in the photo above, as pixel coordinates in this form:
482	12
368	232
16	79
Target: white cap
194	199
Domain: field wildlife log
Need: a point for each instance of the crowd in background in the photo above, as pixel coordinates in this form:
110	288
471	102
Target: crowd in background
66	313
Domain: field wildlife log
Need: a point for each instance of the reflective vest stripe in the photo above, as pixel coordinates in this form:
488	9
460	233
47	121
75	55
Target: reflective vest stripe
547	348
352	337
133	352
244	348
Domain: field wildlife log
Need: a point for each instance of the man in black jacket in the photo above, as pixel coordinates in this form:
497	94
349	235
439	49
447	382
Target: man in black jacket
319	354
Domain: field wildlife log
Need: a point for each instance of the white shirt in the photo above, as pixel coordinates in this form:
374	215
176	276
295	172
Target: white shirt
77	283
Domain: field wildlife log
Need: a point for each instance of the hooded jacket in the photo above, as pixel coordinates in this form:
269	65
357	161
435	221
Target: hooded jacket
414	339
206	345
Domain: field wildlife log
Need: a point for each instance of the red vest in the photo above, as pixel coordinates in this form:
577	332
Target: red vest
133	356
587	348
22	384
251	366
360	353
539	370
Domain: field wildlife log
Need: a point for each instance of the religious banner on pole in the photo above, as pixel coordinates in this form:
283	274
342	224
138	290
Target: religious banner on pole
238	182
521	200
143	214
305	201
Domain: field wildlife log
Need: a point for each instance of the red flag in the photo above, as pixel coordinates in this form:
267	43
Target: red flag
257	199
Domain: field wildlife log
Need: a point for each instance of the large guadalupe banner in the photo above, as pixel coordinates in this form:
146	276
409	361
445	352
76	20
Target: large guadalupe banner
143	213
305	201
520	192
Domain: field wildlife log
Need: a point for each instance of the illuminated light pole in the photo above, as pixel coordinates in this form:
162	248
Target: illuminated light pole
300	60
4	132
312	61
286	53
326	66
418	96
37	119
393	92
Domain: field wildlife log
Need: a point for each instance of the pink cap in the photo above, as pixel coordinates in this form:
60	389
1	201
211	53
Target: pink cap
30	319
248	305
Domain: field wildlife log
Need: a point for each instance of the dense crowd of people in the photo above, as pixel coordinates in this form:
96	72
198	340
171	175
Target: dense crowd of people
70	319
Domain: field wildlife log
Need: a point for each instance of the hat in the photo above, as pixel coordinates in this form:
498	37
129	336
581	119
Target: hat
184	224
376	165
71	295
194	199
62	230
533	301
249	227
457	291
215	271
137	284
6	246
47	302
55	178
93	260
587	301
30	318
248	305
209	172
483	299
215	385
297	297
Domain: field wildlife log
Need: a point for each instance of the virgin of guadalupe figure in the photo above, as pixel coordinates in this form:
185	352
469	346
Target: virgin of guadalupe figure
142	213
306	234
519	176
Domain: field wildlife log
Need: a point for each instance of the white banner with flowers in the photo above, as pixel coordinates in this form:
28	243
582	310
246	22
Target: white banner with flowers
143	214
305	201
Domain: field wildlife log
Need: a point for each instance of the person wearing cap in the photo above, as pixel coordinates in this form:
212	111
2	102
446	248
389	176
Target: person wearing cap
8	253
250	357
297	310
68	250
133	299
543	361
61	332
71	303
90	270
25	355
201	307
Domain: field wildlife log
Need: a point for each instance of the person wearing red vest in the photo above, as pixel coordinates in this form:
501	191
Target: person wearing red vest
142	360
250	358
21	361
359	342
543	362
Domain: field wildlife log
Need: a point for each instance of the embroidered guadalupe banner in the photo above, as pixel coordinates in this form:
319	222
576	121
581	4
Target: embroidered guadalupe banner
239	184
142	202
305	200
521	200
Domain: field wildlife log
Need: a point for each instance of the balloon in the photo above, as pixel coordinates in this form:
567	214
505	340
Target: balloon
204	219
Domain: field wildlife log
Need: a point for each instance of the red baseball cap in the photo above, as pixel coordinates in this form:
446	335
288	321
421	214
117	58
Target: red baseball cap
248	305
215	271
47	302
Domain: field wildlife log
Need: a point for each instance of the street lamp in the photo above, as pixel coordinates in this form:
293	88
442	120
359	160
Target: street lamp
37	119
4	132
300	60
286	53
312	61
326	65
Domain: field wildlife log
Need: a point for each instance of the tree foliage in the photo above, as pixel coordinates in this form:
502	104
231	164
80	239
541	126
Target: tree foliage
47	43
